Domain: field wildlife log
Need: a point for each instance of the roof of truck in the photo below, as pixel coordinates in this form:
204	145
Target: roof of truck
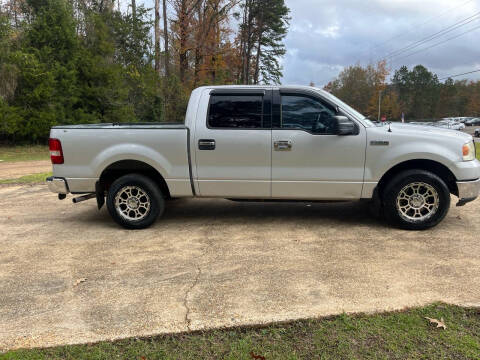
260	87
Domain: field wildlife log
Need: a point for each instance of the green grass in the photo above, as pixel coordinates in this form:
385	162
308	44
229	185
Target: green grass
395	335
24	153
478	150
27	179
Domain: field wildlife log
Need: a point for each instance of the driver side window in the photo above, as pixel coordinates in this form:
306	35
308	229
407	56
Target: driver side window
309	114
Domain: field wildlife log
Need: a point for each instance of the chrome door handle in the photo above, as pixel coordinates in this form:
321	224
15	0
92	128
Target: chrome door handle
282	145
206	144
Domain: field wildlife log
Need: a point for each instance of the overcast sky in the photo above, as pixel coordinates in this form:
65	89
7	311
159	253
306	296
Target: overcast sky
327	35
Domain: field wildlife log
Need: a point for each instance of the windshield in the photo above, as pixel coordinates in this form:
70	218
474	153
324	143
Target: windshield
347	108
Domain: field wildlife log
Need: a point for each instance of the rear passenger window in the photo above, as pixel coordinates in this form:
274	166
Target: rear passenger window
235	111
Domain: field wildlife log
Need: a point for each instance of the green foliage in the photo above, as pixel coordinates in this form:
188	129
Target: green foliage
262	31
418	91
24	153
70	62
28	179
273	23
395	335
54	70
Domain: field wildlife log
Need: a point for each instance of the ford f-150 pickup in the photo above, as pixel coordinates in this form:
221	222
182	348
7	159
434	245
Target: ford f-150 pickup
266	143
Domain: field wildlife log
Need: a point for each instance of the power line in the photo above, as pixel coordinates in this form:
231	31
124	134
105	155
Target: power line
439	43
434	36
452	76
420	25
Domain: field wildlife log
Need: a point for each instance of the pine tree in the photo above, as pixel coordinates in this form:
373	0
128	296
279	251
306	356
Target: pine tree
263	28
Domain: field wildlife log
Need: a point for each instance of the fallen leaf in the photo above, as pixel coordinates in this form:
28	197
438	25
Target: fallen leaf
79	281
440	323
256	357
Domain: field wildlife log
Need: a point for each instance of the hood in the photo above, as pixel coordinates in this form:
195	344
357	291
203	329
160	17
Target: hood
414	129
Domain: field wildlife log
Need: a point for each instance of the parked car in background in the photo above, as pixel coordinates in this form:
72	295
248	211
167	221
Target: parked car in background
477	133
450	124
460	119
472	122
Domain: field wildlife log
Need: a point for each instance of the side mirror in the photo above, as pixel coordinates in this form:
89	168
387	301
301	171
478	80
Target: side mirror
345	126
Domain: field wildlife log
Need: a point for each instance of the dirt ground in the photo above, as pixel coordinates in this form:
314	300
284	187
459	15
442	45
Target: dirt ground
214	263
14	170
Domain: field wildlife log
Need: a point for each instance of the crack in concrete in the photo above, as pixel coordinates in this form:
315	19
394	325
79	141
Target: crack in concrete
188	321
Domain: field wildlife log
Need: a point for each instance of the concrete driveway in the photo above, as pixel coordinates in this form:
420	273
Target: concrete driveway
213	263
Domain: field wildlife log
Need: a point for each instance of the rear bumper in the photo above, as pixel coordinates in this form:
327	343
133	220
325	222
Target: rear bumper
57	185
468	191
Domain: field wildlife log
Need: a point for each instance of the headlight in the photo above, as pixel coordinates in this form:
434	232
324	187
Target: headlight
468	151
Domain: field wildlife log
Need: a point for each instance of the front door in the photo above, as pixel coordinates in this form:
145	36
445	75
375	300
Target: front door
232	145
309	160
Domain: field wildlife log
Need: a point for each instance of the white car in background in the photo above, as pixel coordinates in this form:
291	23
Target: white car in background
461	119
450	124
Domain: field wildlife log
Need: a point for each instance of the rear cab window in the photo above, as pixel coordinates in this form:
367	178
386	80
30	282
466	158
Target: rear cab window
237	111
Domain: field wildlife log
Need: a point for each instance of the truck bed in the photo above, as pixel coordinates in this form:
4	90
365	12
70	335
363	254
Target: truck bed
90	149
151	125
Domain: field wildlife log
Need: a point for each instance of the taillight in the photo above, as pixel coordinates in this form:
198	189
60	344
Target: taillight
56	153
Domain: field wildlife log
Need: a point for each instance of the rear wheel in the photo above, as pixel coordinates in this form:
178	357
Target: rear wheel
135	201
416	200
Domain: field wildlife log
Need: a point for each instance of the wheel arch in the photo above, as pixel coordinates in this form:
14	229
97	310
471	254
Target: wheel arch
433	166
124	167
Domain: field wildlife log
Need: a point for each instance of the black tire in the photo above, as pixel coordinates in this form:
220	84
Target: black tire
125	217
427	217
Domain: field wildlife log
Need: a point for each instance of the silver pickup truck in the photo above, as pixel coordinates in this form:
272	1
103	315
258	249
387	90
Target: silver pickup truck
264	142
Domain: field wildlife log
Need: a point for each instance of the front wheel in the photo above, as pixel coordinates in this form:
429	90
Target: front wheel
135	201
416	200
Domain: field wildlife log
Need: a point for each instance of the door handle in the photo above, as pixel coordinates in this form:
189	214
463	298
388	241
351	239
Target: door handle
282	145
206	144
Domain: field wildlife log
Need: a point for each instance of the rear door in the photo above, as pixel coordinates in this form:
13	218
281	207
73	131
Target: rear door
309	160
232	144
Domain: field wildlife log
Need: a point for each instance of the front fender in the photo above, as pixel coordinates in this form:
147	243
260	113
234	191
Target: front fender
381	159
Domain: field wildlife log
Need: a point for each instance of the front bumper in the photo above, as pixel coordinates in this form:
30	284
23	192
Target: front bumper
57	185
468	191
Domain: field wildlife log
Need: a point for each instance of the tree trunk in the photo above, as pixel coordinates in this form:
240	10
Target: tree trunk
183	40
248	58
15	13
249	42
257	61
244	40
134	11
198	44
165	34
157	36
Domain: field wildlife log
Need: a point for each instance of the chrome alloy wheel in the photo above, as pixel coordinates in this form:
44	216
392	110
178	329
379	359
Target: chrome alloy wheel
417	202
132	203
